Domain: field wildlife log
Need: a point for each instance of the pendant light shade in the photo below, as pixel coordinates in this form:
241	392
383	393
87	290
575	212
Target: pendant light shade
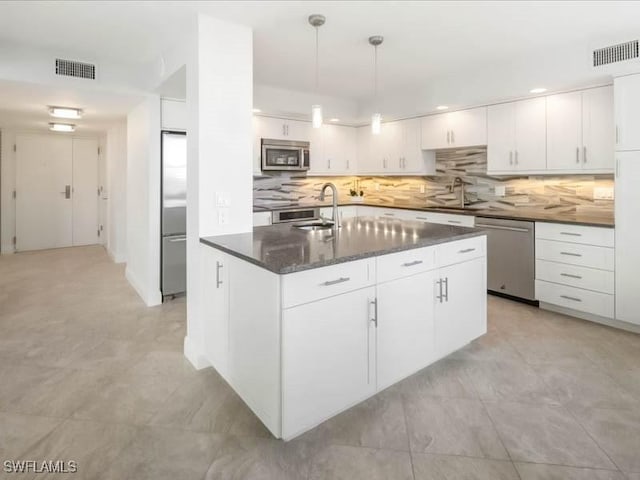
376	118
316	21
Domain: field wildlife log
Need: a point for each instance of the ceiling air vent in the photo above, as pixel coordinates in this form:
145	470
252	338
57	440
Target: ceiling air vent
73	68
615	53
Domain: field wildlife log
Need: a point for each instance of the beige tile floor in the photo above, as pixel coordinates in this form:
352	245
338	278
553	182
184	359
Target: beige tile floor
88	373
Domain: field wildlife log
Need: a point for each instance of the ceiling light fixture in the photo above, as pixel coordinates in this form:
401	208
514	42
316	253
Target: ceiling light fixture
441	107
62	127
334	119
538	90
376	118
65	112
316	21
256	110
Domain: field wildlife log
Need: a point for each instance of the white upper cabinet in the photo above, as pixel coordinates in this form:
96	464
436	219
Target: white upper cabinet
333	150
281	129
516	137
580	131
173	114
464	128
627	112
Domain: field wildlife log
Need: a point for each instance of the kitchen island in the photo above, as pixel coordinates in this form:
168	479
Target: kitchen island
304	324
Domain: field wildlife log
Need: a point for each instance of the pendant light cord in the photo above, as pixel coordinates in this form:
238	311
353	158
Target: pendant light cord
317	82
375	76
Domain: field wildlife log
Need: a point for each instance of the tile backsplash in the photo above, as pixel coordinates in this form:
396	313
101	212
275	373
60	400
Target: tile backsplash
562	193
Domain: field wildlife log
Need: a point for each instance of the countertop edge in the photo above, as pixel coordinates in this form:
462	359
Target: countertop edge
376	253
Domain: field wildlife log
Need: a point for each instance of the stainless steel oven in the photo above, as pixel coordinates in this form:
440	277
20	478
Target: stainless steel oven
284	155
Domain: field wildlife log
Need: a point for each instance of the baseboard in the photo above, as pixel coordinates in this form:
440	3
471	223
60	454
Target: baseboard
609	322
7	249
115	256
194	355
152	299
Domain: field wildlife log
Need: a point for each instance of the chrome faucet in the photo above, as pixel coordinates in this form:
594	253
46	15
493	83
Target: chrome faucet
452	188
334	192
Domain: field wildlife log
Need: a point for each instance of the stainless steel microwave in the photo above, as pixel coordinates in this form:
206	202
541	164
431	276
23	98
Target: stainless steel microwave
284	155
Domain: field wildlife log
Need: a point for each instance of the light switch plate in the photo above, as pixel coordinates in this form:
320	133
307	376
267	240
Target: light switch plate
223	199
603	193
223	216
500	190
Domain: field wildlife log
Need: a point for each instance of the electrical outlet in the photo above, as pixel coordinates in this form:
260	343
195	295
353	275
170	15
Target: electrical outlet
603	193
500	190
223	216
377	186
422	188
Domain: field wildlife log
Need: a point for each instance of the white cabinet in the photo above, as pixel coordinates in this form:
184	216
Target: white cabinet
461	305
261	218
333	150
626	91
283	129
580	134
173	114
444	218
405	327
627	236
328	356
516	140
464	128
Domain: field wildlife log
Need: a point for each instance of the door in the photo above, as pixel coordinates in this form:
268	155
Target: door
405	327
531	135
626	91
85	191
461	305
598	132
627	251
328	358
564	131
500	137
44	178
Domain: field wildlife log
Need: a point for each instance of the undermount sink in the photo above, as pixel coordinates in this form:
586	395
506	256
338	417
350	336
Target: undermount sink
310	226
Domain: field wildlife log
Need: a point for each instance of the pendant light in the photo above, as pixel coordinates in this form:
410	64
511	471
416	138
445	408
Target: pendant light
376	118
316	21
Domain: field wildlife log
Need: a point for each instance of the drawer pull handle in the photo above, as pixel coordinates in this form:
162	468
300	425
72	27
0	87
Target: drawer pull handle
571	234
467	250
335	282
218	281
454	221
571	298
411	264
421	218
571	254
390	214
571	276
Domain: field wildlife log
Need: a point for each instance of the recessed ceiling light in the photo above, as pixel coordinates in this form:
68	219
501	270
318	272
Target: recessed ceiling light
65	112
538	90
441	107
62	127
334	119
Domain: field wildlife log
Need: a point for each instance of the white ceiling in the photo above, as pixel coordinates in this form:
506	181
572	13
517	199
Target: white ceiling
24	106
423	40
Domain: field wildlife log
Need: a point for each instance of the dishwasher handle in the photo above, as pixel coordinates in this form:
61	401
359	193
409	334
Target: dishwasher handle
500	227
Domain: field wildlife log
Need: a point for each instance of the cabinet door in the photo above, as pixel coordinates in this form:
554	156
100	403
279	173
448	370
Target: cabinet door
435	132
273	128
328	358
461	310
626	92
627	233
349	149
215	307
500	137
258	134
468	127
363	138
414	159
598	135
564	131
339	149
405	327
298	131
530	135
318	163
392	140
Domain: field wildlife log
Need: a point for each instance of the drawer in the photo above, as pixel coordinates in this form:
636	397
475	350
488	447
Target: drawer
445	218
574	276
403	264
587	301
575	254
461	250
602	237
395	213
316	283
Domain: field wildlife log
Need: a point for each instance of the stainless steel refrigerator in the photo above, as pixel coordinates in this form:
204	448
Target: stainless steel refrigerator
174	213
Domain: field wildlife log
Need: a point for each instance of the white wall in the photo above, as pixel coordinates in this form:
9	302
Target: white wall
7	185
143	200
116	192
219	155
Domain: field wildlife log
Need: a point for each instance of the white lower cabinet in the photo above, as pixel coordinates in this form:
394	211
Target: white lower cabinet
461	305
328	358
405	327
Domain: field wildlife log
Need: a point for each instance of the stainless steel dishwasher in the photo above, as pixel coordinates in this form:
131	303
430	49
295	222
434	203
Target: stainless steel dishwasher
510	256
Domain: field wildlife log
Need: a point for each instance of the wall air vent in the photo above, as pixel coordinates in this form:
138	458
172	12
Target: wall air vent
615	53
73	68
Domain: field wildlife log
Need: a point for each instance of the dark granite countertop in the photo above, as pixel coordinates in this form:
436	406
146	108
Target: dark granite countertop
285	249
551	217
